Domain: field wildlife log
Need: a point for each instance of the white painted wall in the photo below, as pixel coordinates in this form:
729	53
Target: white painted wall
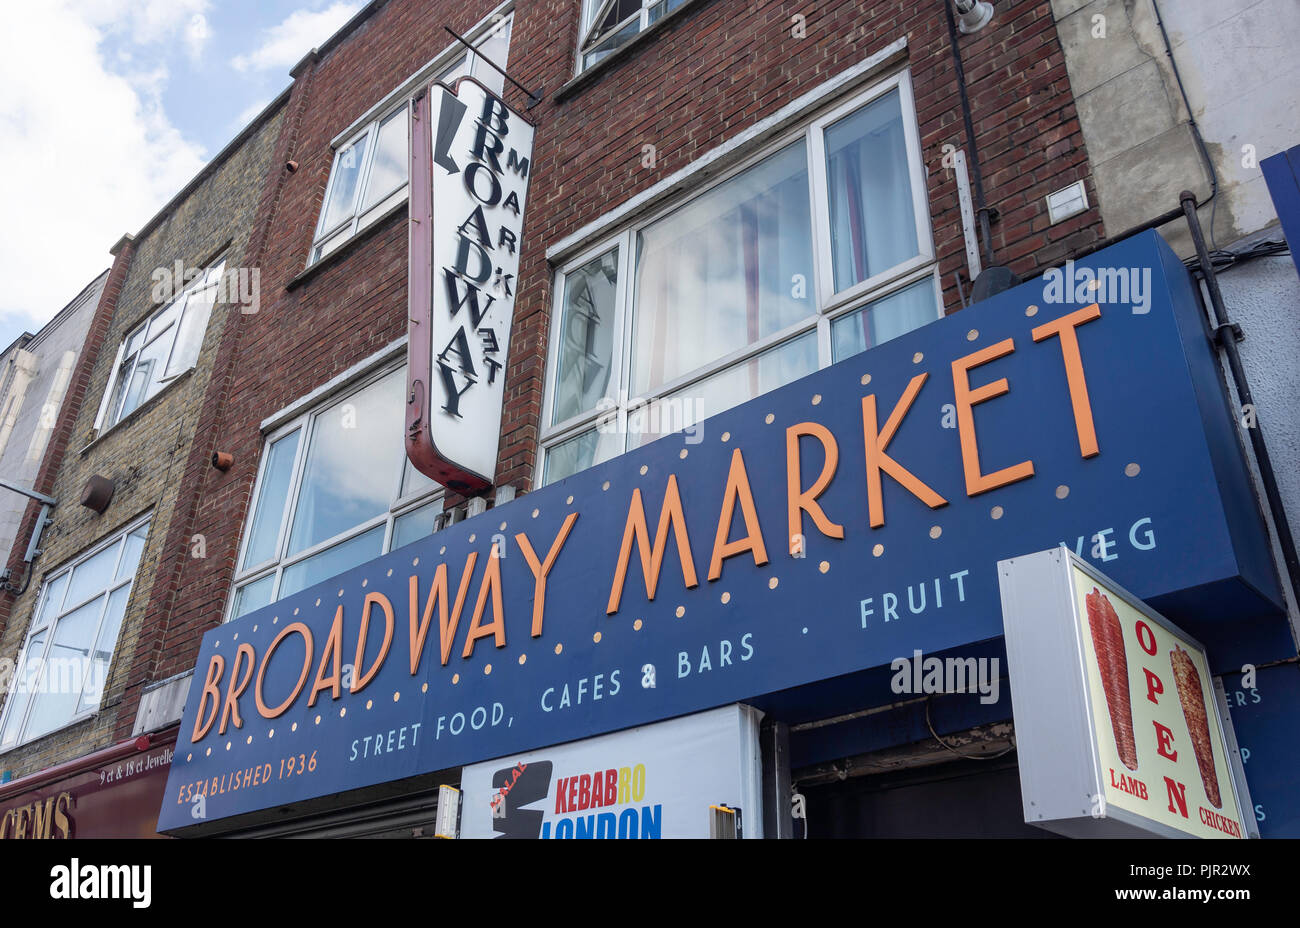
1239	67
54	351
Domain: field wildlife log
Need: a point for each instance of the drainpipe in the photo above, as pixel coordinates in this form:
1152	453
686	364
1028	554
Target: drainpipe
994	279
1226	335
982	212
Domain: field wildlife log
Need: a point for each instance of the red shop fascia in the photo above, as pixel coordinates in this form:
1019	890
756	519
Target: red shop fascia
114	792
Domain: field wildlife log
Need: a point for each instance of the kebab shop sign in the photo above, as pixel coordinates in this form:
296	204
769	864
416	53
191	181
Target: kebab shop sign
1145	705
1159	738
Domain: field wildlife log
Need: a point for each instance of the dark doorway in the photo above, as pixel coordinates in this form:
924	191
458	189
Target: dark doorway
962	799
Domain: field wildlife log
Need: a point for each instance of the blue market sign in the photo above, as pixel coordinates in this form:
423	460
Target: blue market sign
822	529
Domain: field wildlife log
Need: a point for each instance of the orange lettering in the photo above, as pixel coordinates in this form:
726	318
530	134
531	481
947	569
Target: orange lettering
497	627
215	668
877	461
1065	328
279	710
542	570
737	489
333	651
670	515
361	680
438	594
967	399
230	711
799	501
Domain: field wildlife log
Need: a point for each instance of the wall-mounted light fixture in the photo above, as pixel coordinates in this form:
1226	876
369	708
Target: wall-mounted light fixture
97	493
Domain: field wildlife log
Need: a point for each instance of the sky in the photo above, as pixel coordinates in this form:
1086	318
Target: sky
110	107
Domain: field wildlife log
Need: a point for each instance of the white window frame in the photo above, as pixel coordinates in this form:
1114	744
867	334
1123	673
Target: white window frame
103	422
830	305
591	10
117	538
280	561
336	235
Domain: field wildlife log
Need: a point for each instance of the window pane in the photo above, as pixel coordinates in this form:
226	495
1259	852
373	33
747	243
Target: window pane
414	482
189	337
660	10
908	309
580	452
93	689
495	48
121	385
347	170
332	561
391	153
253	596
268	511
612	44
145	380
53	601
586	336
131	556
414	525
159	323
719	392
332	244
56	701
20	692
459	69
92	576
571	456
136	340
724	271
873	226
351	464
618	11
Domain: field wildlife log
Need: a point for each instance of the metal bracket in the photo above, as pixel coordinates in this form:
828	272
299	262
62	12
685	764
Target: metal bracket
1221	333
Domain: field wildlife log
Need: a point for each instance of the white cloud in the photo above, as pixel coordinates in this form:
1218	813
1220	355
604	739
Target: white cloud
148	21
284	44
197	33
87	154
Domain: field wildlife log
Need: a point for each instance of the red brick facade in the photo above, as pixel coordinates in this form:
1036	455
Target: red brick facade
716	69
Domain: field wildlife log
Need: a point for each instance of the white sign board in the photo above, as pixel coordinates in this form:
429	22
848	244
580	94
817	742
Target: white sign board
1119	730
656	781
471	158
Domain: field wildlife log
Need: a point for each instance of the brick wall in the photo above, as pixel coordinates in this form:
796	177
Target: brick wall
717	70
144	453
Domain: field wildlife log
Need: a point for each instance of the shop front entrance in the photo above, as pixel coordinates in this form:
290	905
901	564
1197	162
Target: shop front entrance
961	799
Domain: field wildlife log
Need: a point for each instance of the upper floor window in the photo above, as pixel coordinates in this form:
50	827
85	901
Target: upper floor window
816	249
335	490
608	25
60	677
370	168
160	349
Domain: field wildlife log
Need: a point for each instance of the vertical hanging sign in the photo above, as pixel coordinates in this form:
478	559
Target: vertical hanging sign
471	156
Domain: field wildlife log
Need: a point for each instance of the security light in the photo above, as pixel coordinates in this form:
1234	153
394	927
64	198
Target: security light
972	15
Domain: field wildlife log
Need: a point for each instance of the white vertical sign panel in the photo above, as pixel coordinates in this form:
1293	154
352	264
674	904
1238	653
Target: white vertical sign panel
471	158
